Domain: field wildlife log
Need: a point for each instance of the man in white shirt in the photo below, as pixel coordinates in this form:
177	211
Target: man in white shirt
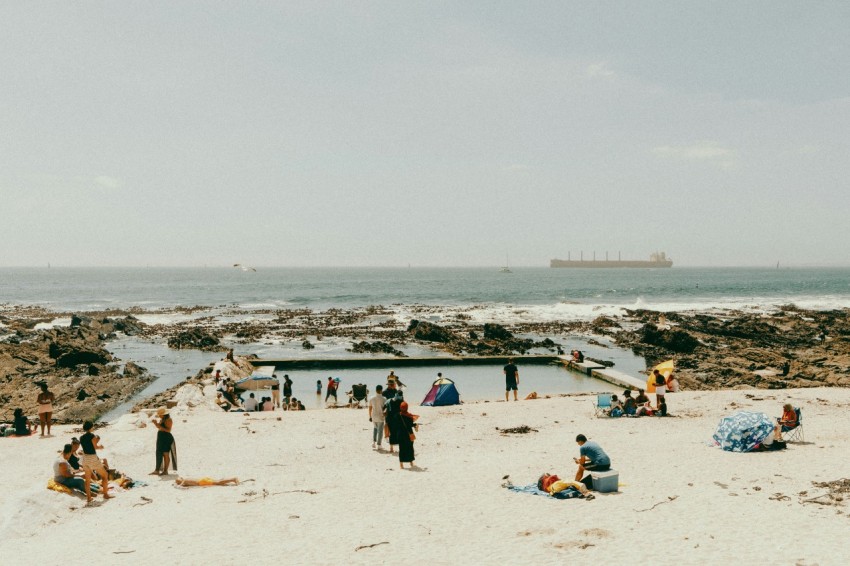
251	403
376	416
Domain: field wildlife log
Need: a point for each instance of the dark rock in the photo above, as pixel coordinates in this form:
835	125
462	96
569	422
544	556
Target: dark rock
674	340
376	347
129	325
307	345
195	338
93	370
429	332
131	369
82	394
473	335
496	332
72	357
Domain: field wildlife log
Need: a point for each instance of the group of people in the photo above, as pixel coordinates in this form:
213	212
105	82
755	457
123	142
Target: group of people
74	472
22	426
392	420
637	406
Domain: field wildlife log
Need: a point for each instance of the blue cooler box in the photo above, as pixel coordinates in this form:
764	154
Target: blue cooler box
605	482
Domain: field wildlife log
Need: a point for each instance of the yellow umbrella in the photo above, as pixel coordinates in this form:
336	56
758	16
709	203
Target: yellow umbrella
664	368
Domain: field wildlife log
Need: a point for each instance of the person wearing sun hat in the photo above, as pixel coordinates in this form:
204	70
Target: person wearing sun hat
166	448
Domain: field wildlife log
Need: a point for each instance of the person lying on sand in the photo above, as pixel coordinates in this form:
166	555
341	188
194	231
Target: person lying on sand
532	395
552	484
204	482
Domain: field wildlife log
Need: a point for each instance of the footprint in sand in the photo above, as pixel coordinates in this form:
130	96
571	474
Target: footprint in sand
598	533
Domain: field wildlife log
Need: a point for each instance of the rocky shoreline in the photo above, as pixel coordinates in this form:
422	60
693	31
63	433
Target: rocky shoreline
712	350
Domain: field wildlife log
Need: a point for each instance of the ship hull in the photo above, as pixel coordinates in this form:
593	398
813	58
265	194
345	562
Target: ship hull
596	264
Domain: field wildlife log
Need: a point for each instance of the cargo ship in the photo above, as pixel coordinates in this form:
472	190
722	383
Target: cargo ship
657	259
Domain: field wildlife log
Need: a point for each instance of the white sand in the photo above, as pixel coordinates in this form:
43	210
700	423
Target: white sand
453	509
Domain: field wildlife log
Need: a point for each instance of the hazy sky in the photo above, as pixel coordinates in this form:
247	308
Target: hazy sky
430	133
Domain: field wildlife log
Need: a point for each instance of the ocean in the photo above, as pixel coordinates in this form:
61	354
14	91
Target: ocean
549	293
484	295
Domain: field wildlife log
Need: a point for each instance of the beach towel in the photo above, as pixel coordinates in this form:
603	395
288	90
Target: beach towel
51	484
531	489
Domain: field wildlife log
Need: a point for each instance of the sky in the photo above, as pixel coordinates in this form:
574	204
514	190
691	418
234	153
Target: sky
424	133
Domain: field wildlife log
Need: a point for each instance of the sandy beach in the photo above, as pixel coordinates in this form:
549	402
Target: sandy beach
313	491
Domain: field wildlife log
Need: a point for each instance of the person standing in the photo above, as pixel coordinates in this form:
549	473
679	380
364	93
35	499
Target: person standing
591	459
376	416
287	388
511	379
276	393
406	427
92	466
332	385
318	388
166	452
45	408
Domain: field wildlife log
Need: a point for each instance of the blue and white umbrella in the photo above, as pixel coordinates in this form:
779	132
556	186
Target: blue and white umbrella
743	431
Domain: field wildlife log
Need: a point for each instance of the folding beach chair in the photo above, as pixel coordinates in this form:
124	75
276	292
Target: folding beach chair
794	434
359	392
603	403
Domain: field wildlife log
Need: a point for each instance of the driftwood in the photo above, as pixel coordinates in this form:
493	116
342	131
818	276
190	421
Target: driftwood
669	499
370	545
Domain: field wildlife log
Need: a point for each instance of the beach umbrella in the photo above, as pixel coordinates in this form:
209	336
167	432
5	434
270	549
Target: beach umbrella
255	382
666	368
743	431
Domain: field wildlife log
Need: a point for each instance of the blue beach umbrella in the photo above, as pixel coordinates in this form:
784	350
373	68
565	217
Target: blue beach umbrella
743	431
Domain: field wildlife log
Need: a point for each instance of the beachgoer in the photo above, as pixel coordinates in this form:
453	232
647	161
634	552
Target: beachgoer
45	408
616	408
406	425
786	368
92	465
319	387
276	393
166	450
301	406
20	425
391	414
532	395
629	404
578	356
268	405
552	484
390	391
331	390
641	398
788	420
74	459
672	384
251	403
376	416
287	389
511	379
660	388
219	400
204	482
229	357
591	459
392	377
645	410
63	473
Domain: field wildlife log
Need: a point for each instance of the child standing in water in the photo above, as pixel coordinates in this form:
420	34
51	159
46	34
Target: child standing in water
319	387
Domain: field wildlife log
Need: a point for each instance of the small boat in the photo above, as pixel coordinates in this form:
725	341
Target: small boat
506	269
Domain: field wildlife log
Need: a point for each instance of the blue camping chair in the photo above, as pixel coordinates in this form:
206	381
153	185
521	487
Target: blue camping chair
794	434
603	403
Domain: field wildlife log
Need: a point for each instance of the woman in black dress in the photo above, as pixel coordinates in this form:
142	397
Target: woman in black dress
405	429
166	448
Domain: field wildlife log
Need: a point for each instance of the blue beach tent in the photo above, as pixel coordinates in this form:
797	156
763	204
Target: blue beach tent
443	392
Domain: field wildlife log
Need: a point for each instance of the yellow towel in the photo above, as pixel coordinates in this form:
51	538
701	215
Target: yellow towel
51	484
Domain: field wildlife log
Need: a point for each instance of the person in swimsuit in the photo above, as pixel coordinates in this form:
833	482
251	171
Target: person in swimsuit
164	443
45	408
20	425
511	379
92	466
204	482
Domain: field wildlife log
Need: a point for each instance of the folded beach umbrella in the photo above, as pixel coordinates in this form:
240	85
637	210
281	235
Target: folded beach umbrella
665	368
743	431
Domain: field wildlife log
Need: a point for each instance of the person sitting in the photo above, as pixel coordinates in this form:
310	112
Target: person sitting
672	384
293	405
251	403
616	408
641	398
788	420
644	410
20	425
578	356
267	404
629	404
219	400
301	406
592	458
63	474
203	482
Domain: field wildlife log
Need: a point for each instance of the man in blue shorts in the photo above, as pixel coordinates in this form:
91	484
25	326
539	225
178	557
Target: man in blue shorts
511	379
